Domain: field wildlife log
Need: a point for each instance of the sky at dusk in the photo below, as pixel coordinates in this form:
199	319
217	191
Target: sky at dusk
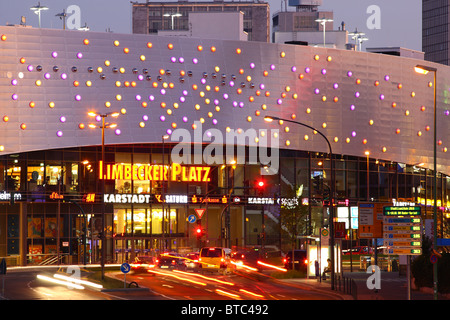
386	22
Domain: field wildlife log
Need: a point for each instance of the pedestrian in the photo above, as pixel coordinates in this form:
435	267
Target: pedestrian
327	269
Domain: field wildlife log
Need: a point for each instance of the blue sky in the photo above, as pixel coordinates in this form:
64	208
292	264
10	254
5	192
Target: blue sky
394	23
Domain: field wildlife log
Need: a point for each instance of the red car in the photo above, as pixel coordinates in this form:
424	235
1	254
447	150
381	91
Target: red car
143	264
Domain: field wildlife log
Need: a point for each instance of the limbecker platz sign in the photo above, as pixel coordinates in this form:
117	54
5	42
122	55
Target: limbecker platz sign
154	172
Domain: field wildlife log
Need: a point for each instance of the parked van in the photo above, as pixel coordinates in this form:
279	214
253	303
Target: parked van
215	259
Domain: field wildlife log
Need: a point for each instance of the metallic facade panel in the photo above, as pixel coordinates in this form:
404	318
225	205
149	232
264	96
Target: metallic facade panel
357	99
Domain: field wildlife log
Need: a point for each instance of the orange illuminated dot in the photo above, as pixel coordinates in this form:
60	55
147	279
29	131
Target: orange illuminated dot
199	48
170	46
23	126
194	87
251	99
377	83
133	84
267	93
397	131
213	49
282	54
6	118
336	99
364	141
194	126
358	81
241	71
22	60
265	73
174	125
439	142
161	72
81	126
422	108
163	105
76	83
126	50
155	84
3	37
427	128
399	86
257	113
283	95
149	44
238	51
171	85
301	76
32	104
86	41
394	104
144	104
293	116
239	90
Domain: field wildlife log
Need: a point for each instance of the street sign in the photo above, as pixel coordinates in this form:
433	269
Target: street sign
324	237
192	218
371	219
402	230
200	212
125	267
433	258
401	211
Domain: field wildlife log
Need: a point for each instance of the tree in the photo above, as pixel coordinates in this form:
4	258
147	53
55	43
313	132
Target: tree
294	218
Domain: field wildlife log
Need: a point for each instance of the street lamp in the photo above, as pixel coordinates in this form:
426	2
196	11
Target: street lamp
323	22
62	16
367	153
356	35
102	117
425	70
163	197
332	188
172	15
37	10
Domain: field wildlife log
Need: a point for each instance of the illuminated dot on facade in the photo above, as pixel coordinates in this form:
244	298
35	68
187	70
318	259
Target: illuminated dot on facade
86	42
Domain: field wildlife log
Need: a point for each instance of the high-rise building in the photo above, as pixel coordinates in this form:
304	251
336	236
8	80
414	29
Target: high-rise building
151	17
435	25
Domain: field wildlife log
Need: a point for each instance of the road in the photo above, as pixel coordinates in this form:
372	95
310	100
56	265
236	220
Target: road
23	284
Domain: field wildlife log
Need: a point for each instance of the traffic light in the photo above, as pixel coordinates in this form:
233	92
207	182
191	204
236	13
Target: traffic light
260	186
318	184
199	231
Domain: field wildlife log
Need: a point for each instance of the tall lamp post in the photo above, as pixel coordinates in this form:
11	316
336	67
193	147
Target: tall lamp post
163	197
332	189
323	22
425	70
172	15
37	10
358	37
102	117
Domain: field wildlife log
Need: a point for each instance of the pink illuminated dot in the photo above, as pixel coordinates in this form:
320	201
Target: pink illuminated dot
62	119
145	117
279	101
349	74
252	65
30	68
54	54
138	97
59	133
173	59
272	67
14	96
79	55
307	70
47	76
381	96
162	118
151	97
185	119
293	69
117	131
14	82
335	86
169	131
195	61
353	133
352	107
78	97
181	60
63	76
357	94
214	121
324	71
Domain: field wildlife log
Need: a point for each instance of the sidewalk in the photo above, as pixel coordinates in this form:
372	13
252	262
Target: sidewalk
393	287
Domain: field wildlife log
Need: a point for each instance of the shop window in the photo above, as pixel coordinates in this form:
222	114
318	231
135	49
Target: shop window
13	176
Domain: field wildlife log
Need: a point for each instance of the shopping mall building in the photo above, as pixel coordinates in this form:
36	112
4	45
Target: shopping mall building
184	138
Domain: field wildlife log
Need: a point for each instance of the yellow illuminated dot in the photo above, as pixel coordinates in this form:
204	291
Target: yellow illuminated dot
407	113
336	139
144	104
228	129
238	51
294	96
202	120
329	58
174	125
199	48
88	83
316	57
324	125
384	149
123	111
213	49
287	88
347	140
86	41
141	124
51	104
282	54
324	98
308	110
216	68
210	114
249	119
444	149
306	137
99	69
288	142
371	122
364	141
116	43
197	107
122	70
142	57
107	104
413	94
163	105
175	105
251	99
264	107
118	83
38	82
202	94
207	101
2	148
218	109
118	97
419	133
107	63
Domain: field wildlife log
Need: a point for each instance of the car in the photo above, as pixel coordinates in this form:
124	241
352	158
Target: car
300	260
215	259
143	264
170	260
246	259
191	261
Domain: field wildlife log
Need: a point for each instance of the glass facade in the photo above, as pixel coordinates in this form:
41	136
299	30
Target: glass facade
57	194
